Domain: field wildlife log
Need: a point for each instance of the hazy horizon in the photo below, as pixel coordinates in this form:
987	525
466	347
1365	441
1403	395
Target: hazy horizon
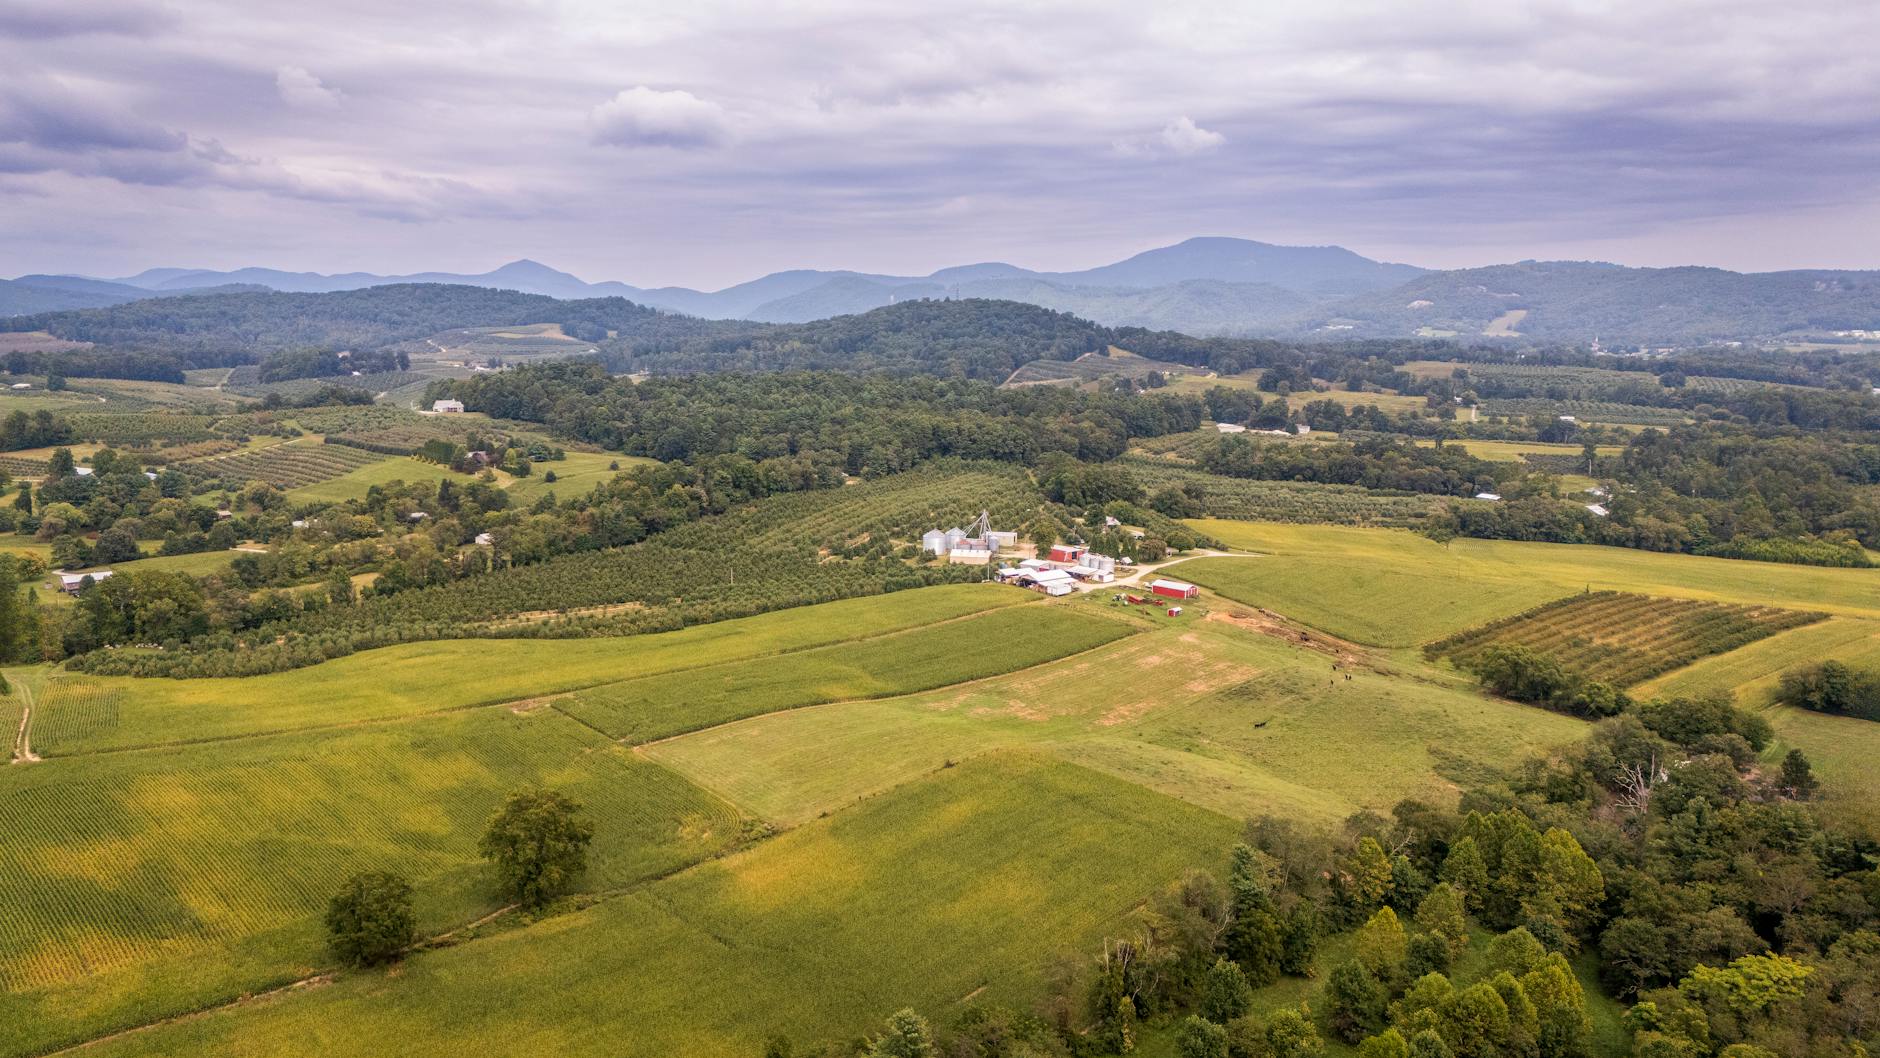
710	145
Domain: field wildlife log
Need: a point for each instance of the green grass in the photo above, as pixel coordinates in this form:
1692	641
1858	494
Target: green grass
355	484
1394	588
958	886
1203	712
574	476
936	656
140	884
85	713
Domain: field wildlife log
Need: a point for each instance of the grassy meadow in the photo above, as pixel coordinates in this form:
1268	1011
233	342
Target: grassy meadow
1203	712
356	483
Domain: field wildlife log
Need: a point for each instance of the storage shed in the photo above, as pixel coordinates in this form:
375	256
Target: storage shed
1174	589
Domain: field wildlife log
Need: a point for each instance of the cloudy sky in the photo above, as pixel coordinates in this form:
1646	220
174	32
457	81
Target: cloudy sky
703	143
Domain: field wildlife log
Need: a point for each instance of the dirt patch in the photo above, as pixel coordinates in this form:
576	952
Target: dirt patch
525	706
1267	623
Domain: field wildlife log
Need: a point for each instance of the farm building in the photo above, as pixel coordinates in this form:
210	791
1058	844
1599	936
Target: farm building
1048	581
22	385
1488	495
1174	589
970	556
1598	509
1228	427
983	538
446	406
485	540
72	583
1100	563
1065	552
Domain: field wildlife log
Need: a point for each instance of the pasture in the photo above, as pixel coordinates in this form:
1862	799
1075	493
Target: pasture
1201	711
574	476
142	882
951	890
1622	638
1393	588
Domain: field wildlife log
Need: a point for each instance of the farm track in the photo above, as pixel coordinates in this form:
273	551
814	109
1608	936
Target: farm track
505	702
23	739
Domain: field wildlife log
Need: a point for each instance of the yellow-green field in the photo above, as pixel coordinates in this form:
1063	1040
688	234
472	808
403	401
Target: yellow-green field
574	476
1391	587
355	484
1207	712
88	713
143	882
1518	451
955	888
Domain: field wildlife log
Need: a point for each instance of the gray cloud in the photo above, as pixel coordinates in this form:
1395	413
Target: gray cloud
705	143
648	117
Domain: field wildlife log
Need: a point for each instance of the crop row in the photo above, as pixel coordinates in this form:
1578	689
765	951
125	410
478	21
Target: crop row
284	466
1622	638
141	429
1286	501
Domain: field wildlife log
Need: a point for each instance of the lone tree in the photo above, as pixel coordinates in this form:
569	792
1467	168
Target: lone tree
370	920
538	844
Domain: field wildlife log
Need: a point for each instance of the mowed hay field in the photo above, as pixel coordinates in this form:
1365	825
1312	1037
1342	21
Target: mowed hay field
1204	711
574	476
1393	588
933	656
957	886
355	484
85	713
140	884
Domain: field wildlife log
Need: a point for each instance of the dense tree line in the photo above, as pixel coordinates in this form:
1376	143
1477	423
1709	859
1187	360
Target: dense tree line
854	425
1832	687
37	429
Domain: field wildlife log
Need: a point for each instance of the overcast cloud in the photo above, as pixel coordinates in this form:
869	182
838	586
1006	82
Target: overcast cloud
705	143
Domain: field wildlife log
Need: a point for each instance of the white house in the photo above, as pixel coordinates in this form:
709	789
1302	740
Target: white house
446	406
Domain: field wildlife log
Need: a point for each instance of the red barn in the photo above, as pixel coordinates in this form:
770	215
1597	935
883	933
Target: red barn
1174	589
1066	552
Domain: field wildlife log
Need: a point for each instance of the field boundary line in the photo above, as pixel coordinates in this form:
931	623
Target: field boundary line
23	738
505	701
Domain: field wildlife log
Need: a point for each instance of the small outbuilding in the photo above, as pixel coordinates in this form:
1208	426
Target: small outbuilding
445	407
71	583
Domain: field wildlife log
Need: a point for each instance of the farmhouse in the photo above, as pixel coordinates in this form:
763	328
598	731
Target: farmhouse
446	406
1174	589
71	583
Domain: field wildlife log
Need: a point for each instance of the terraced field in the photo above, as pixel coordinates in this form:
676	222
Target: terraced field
1622	638
285	466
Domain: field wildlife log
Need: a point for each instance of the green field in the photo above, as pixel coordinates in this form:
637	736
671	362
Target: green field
84	714
574	476
1390	587
141	883
955	887
355	484
931	656
1203	711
